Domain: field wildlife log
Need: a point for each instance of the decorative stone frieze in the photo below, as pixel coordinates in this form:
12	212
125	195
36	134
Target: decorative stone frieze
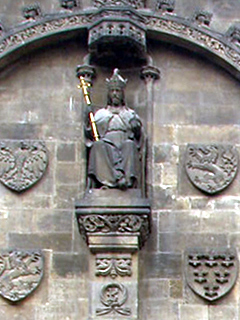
136	4
21	272
182	31
211	273
22	163
211	168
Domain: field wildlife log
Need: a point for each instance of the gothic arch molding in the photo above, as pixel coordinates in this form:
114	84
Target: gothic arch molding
219	48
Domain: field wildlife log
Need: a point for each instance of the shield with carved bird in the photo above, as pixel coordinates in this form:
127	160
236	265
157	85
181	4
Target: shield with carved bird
22	163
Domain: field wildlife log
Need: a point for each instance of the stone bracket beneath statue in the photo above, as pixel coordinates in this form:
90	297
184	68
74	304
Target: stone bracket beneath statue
114	220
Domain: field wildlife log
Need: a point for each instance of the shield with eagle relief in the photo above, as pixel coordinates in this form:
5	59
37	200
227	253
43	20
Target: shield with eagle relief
22	163
211	168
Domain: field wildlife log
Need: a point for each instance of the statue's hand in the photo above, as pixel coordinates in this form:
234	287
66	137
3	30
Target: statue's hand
135	127
134	123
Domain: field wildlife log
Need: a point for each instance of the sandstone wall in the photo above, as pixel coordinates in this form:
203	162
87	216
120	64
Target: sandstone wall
195	101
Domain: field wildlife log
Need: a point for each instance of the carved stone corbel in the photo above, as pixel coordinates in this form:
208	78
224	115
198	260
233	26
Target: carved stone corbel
32	12
68	4
165	6
233	35
109	226
202	18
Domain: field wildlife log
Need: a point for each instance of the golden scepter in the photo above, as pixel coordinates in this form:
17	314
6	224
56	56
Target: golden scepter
84	86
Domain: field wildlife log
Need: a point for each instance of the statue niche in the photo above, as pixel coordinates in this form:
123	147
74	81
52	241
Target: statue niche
116	154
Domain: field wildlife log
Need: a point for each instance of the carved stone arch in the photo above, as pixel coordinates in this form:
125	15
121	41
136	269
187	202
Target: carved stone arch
219	48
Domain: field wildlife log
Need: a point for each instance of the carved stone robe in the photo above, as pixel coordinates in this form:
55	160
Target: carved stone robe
117	153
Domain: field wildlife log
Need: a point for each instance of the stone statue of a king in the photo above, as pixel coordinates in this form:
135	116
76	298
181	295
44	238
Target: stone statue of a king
116	160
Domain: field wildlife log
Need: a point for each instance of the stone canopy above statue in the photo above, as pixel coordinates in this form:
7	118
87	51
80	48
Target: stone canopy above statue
117	30
117	158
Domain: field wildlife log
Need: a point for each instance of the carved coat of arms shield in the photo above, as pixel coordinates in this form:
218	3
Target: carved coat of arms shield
21	272
211	168
22	163
211	273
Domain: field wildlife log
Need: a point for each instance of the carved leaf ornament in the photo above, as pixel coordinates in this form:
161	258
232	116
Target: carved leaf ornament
22	163
113	266
110	223
21	272
211	273
211	168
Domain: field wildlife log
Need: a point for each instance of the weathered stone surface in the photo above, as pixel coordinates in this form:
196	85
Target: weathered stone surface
66	265
162	153
20	312
154	289
163	197
163	308
57	309
66	152
163	134
193	134
161	265
169	175
66	195
55	241
213	221
52	220
67	173
223	312
193	312
174	242
176	289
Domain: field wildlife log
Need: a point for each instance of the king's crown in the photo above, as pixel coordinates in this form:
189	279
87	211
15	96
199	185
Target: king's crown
116	81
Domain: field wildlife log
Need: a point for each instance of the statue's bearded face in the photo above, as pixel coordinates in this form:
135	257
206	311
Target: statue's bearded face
116	96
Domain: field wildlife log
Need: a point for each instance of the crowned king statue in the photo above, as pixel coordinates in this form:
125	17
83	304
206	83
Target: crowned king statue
116	158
